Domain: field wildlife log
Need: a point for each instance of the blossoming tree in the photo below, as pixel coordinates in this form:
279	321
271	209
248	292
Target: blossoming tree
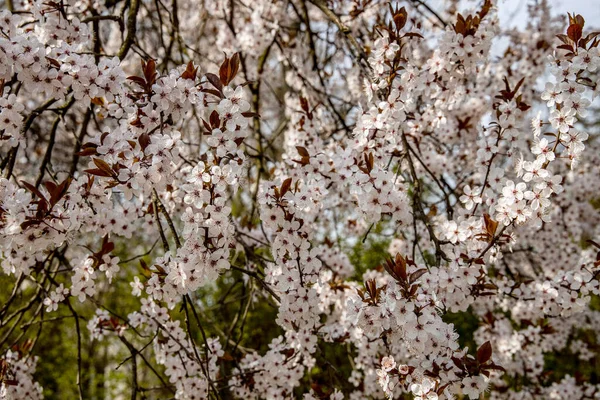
163	149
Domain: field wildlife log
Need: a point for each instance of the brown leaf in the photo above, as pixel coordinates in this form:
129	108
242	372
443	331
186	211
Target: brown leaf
149	71
563	38
144	140
223	71
285	186
495	367
400	262
417	274
574	31
107	246
250	114
99	101
103	166
390	268
190	72
400	18
413	34
30	222
303	161
33	190
460	26
89	151
53	62
227	357
215	122
207	127
140	81
484	353
50	187
490	225
413	290
234	65
97	172
302	151
216	82
59	191
213	92
304	104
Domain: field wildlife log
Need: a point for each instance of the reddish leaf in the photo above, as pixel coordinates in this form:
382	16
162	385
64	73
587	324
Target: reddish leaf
417	274
400	18
144	140
215	81
89	151
97	172
138	80
413	34
29	222
285	186
574	31
224	72
103	166
57	192
304	104
50	187
190	72
495	367
484	353
207	127
302	151
215	122
150	71
99	101
234	65
53	62
33	190
226	357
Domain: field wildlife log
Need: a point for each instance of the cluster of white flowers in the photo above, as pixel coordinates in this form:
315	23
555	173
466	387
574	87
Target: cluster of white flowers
18	382
189	368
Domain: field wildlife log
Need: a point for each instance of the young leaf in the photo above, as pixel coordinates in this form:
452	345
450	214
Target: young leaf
285	186
302	151
484	353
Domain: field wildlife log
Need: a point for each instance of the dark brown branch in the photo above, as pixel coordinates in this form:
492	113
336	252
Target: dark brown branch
79	358
48	154
12	157
82	133
259	279
131	29
359	51
158	223
418	207
431	10
164	212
